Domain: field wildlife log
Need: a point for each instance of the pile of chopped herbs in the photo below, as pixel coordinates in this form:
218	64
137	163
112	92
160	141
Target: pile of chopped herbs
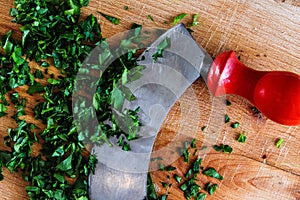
54	34
189	182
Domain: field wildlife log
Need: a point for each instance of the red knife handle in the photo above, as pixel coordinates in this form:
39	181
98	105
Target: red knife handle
275	93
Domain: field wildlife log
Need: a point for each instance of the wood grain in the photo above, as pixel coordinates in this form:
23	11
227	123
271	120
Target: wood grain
265	34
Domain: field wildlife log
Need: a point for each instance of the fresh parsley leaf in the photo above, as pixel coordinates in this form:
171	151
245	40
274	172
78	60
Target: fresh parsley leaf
177	178
150	17
227	119
184	187
161	167
151	193
186	155
66	164
117	98
112	19
242	138
190	188
196	165
201	196
189	173
195	22
213	173
7	44
126	147
164	197
3	109
211	188
193	143
235	125
203	128
228	103
165	43
170	168
35	88
178	18
164	184
4	158
38	74
223	148
279	142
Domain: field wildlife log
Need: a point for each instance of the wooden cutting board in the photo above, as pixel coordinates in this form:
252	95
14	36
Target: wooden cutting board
265	34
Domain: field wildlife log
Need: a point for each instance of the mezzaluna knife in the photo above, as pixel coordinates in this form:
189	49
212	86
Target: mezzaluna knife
123	175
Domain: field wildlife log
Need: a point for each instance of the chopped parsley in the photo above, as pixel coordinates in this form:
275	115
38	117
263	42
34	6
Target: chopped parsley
178	18
177	178
55	31
223	148
235	125
112	19
201	196
279	142
242	138
211	188
150	17
203	128
228	103
213	173
227	119
165	43
195	22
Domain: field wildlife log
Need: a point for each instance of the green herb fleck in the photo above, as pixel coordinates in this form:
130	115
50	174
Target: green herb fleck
177	178
203	128
112	19
193	143
164	184
4	159
201	196
242	138
228	103
190	188
150	17
161	167
212	173
35	88
195	22
186	154
196	165
227	119
279	142
235	125
126	8
164	197
223	148
178	18
160	48
189	173
38	74
151	193
2	110
211	188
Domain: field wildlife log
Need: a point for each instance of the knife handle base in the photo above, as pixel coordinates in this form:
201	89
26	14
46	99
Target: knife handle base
275	93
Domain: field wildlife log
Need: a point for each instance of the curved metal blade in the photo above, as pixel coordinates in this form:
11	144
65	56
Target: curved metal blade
123	175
